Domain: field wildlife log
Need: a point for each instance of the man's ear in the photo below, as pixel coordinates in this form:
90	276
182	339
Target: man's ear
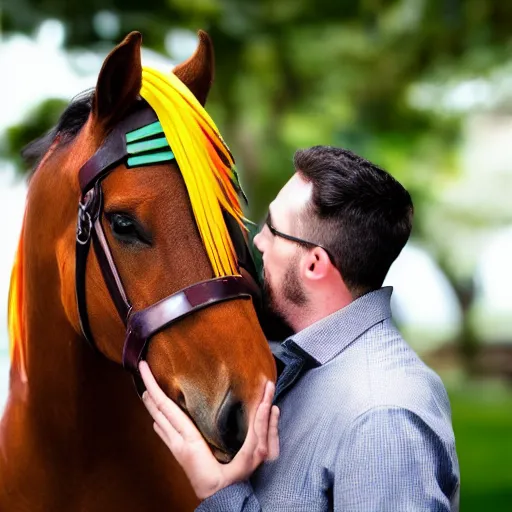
316	264
119	82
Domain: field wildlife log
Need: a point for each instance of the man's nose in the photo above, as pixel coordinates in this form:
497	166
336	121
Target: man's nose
257	241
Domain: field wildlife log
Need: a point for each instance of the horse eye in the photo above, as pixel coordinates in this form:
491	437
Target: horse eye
126	229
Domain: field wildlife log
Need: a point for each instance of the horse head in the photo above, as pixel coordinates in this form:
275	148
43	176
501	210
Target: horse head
149	288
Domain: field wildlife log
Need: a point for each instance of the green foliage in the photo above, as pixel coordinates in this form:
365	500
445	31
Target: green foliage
34	125
299	72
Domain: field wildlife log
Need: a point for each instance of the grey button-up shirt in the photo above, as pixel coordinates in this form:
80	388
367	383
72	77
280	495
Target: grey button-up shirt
365	425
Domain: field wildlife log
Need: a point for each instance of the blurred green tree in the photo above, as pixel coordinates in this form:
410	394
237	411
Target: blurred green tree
299	72
37	122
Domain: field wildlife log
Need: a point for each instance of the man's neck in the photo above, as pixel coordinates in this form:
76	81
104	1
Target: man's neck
317	309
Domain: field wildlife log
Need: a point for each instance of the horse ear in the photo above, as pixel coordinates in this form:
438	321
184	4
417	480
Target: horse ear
119	81
197	71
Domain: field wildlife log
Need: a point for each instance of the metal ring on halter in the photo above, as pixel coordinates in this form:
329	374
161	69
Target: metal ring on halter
83	215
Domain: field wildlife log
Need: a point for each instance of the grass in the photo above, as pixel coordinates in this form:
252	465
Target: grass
482	421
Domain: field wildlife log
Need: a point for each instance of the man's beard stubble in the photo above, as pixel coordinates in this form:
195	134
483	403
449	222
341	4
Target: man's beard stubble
292	292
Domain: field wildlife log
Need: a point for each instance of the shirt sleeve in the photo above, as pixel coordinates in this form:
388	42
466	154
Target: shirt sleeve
392	461
237	497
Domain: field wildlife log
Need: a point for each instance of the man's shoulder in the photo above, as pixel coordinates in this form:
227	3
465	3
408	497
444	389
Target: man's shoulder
381	370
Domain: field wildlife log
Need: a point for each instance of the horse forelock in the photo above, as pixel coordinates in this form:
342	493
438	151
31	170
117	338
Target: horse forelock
35	154
206	164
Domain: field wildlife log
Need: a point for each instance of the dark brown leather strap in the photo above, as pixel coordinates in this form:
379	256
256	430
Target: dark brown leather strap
109	271
88	211
90	228
81	252
147	322
113	151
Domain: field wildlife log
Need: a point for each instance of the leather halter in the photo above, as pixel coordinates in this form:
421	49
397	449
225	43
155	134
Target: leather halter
141	325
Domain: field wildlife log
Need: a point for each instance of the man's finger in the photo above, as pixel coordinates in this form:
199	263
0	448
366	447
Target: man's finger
259	426
173	442
159	416
273	434
254	450
261	420
176	417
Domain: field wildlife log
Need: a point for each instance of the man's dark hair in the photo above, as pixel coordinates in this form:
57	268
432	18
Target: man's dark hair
358	211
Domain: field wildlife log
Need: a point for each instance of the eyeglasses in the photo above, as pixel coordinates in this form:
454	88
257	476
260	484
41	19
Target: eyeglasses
300	241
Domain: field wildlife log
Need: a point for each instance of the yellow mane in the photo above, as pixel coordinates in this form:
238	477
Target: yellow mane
197	146
16	323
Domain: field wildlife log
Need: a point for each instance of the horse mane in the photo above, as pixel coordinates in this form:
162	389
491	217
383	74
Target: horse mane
197	144
70	123
15	315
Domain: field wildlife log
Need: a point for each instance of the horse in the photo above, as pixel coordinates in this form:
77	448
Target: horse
75	435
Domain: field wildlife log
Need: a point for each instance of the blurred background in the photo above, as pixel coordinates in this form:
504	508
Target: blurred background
421	87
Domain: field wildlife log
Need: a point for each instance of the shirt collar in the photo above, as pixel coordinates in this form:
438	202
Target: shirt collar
328	337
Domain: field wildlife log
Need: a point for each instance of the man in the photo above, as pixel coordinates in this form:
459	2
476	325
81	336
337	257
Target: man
365	425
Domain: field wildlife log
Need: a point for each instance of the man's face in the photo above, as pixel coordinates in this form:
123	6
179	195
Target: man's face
283	287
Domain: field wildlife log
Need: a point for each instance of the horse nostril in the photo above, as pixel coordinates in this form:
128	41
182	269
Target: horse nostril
232	423
180	400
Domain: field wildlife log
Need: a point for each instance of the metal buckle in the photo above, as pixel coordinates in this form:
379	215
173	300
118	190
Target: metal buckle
83	225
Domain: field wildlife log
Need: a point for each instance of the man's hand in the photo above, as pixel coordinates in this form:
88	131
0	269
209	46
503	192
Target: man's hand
186	443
